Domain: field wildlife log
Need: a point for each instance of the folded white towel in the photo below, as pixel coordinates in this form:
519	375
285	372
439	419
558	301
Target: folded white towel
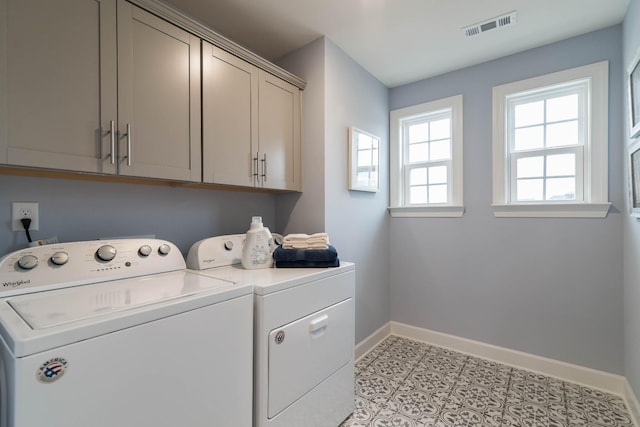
318	245
319	236
304	245
295	237
306	241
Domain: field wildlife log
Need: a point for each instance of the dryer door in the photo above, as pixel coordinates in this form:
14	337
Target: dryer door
304	353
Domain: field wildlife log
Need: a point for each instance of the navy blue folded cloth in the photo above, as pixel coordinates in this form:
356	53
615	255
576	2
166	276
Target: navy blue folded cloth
308	255
307	264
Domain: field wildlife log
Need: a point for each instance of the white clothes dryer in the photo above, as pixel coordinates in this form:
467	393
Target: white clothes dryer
303	335
119	333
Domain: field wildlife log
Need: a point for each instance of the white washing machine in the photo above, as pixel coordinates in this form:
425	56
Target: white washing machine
303	335
119	333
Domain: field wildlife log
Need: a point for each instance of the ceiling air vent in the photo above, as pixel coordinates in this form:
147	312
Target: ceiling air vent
491	24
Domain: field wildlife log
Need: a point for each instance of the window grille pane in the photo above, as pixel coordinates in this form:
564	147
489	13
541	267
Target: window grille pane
418	176
418	195
530	167
561	189
438	193
418	133
529	114
561	165
440	129
363	178
438	175
365	157
440	150
419	152
562	134
530	138
562	108
365	142
530	190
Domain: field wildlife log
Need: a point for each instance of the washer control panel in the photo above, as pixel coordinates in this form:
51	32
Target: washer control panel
80	263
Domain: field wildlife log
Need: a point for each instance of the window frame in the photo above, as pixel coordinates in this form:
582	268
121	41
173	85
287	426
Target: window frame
399	174
594	203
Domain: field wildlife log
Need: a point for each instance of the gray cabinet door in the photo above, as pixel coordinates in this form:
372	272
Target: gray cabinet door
229	113
158	97
58	84
279	133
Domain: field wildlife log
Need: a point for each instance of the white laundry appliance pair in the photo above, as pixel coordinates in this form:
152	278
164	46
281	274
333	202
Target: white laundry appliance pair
119	333
303	335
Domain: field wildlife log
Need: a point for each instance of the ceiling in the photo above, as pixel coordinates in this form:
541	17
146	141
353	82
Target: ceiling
401	41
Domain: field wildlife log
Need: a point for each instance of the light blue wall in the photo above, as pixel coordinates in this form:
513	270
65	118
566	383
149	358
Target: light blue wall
84	210
551	287
339	94
305	212
631	44
359	221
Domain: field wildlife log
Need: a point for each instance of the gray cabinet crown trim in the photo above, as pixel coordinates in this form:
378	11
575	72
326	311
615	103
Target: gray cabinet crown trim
188	23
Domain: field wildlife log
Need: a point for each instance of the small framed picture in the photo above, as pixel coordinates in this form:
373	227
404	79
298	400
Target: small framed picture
634	178
634	96
364	161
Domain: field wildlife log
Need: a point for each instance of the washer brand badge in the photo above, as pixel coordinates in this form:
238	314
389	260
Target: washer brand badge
16	283
52	370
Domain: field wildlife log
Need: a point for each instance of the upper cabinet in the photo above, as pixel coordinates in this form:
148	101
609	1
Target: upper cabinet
158	97
58	83
134	88
279	153
251	124
229	118
99	86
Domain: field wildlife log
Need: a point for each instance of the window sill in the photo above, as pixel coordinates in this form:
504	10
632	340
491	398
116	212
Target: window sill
448	211
552	210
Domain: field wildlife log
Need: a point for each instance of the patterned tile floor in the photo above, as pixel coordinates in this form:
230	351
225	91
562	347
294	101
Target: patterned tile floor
407	383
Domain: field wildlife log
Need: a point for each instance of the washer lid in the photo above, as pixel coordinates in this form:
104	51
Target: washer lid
47	309
43	320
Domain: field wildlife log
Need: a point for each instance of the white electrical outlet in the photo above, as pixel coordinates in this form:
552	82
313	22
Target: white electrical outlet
21	210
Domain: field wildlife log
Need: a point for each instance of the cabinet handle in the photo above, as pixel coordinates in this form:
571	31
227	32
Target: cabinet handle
255	169
264	168
112	132
129	137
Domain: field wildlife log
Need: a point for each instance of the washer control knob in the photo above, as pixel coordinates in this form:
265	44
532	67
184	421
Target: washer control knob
145	250
28	262
60	258
106	253
228	245
164	249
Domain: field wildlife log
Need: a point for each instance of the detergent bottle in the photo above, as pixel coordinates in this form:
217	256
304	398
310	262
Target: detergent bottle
257	251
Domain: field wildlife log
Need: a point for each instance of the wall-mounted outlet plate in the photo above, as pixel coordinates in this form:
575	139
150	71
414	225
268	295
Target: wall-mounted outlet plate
21	210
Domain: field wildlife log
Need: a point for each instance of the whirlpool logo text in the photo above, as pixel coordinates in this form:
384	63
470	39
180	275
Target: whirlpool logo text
15	283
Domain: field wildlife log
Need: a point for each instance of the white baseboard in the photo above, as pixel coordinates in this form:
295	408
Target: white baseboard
632	403
367	344
593	378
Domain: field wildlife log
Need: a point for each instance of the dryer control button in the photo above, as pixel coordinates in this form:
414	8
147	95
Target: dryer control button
279	337
164	249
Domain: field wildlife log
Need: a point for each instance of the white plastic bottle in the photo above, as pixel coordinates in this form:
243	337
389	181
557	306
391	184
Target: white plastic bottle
257	249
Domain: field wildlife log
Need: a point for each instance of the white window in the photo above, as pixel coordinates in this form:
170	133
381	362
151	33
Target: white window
550	145
426	159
